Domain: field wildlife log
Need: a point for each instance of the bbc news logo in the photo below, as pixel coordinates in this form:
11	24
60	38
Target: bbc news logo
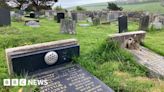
24	82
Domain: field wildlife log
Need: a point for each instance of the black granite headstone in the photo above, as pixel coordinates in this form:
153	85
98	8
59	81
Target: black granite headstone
71	78
144	23
5	19
61	76
74	16
123	24
60	16
32	15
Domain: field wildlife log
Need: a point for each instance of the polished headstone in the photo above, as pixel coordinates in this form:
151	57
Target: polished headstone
70	78
60	16
5	19
123	24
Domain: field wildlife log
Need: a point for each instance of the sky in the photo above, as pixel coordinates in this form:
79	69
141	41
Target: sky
71	3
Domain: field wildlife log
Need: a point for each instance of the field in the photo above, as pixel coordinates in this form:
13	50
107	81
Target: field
154	7
114	66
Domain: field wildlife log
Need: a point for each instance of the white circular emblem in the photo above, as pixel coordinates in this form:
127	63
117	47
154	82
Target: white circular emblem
51	58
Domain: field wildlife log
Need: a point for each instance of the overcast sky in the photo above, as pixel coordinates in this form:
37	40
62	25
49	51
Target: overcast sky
70	3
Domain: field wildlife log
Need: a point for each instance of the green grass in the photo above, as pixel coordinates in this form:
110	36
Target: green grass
112	65
155	41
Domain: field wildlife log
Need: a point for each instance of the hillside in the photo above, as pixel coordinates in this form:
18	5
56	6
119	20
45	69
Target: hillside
151	7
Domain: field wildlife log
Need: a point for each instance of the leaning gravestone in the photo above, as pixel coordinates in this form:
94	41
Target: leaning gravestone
52	62
5	19
144	23
123	24
60	16
68	26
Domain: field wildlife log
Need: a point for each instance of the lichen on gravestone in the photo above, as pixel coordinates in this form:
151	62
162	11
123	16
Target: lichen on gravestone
68	26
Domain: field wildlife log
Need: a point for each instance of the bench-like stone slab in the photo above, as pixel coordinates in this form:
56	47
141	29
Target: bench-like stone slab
123	38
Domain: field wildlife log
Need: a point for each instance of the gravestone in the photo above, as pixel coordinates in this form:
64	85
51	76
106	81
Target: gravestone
96	21
32	15
5	19
81	16
89	19
104	18
110	17
32	23
74	16
60	16
68	26
144	23
123	24
156	24
21	12
52	62
16	17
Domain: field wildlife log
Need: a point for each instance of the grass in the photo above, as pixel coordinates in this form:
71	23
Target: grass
112	65
154	7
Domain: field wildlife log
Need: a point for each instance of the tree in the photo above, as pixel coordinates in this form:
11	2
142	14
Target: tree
113	6
36	5
78	8
3	4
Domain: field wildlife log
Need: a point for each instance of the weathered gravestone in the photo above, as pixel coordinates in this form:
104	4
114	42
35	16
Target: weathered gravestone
144	23
60	16
104	18
68	26
110	17
81	16
123	24
74	16
15	17
52	62
21	12
156	24
96	21
5	19
32	23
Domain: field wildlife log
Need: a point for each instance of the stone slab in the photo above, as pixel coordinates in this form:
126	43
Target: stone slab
152	61
71	78
121	38
20	57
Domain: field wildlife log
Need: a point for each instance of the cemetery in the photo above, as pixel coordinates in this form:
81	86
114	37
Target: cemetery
81	50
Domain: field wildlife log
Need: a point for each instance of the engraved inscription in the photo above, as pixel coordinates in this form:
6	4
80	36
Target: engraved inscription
70	78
